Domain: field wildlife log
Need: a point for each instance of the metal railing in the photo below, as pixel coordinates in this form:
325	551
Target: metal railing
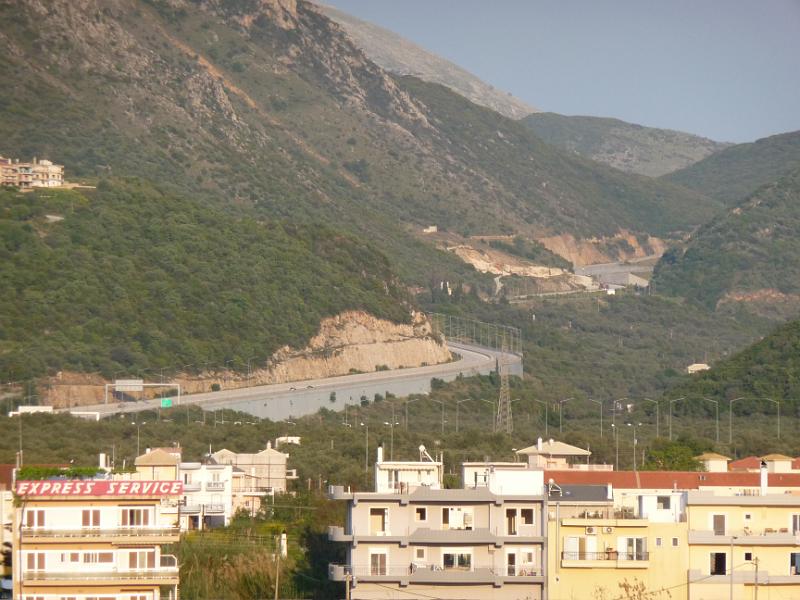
165	572
215	486
338	570
608	555
168	561
470	331
98	532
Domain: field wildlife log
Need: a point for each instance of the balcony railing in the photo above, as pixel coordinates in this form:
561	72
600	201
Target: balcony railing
168	561
609	555
433	573
215	486
96	532
166	572
191	487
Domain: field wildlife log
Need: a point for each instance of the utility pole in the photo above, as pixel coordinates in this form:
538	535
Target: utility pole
503	421
277	567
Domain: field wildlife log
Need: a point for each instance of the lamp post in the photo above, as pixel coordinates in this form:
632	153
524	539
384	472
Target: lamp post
614	409
733	537
560	411
248	370
458	406
616	446
546	431
658	427
600	404
138	427
391	427
730	420
671	404
634	425
366	452
716	411
442	403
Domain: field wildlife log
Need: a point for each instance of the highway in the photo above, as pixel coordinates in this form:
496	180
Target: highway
285	401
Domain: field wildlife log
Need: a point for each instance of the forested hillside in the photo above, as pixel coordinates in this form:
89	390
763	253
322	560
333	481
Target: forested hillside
132	277
749	256
625	146
270	105
736	172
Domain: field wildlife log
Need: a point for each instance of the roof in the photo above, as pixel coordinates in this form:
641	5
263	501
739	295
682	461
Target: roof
579	493
776	457
157	458
711	456
748	462
681	480
555	448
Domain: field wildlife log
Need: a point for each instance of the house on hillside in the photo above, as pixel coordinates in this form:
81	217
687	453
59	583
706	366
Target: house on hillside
33	174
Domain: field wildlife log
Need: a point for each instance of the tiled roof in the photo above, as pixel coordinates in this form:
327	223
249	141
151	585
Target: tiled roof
682	480
749	462
711	456
776	457
157	458
555	448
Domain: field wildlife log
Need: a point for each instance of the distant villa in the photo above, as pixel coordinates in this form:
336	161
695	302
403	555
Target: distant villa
33	174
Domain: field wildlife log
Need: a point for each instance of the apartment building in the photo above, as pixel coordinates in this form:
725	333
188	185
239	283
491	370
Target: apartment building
33	174
95	539
411	537
207	499
255	476
6	529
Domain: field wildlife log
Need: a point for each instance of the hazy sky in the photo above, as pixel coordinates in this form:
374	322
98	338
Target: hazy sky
725	69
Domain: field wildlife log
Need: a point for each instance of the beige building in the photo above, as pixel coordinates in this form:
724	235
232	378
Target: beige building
94	539
33	174
412	538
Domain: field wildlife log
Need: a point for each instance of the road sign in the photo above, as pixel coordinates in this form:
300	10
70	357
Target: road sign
166	403
129	385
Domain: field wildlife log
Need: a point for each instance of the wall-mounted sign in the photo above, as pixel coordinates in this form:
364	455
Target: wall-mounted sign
98	487
129	385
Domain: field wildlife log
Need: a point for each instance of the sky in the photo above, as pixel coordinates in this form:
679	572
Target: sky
724	69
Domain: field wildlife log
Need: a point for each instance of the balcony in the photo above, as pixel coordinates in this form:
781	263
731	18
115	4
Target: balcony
433	574
166	573
425	535
609	559
35	533
215	486
191	487
746	537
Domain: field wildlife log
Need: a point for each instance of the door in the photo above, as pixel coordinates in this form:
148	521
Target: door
571	548
511	521
511	564
795	524
377	564
719	524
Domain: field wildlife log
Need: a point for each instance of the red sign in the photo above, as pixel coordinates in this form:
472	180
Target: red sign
98	487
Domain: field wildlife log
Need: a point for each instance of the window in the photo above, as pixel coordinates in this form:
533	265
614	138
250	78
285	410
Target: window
35	561
632	548
34	518
419	554
747	516
377	521
675	542
457	518
527	516
794	563
718	524
718	561
90	518
134	517
141	559
795	524
421	514
511	521
98	557
457	560
377	563
748	556
663	502
658	542
70	557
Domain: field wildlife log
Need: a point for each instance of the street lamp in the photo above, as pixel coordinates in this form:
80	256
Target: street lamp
658	425
391	426
458	406
634	425
614	409
616	446
138	427
546	430
730	421
716	411
366	452
560	410
248	370
442	403
600	404
671	403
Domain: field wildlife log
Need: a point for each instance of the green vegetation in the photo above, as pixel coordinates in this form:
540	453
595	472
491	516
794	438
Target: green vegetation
626	146
135	278
751	252
736	172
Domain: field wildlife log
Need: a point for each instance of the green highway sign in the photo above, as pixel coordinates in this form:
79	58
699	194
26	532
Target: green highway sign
166	402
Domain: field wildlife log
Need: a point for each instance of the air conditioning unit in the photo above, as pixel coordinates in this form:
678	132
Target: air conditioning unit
591	531
608	530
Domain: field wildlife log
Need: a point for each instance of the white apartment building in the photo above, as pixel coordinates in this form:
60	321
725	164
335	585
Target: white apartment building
25	175
94	539
412	537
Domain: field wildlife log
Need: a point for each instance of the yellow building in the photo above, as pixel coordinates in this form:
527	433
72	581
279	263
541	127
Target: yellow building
600	551
744	546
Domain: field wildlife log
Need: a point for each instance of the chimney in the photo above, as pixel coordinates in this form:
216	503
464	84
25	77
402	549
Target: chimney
380	454
764	478
609	492
539	444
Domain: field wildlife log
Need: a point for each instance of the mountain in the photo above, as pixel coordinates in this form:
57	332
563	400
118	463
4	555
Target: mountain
129	276
770	368
735	172
267	105
402	57
748	257
625	146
